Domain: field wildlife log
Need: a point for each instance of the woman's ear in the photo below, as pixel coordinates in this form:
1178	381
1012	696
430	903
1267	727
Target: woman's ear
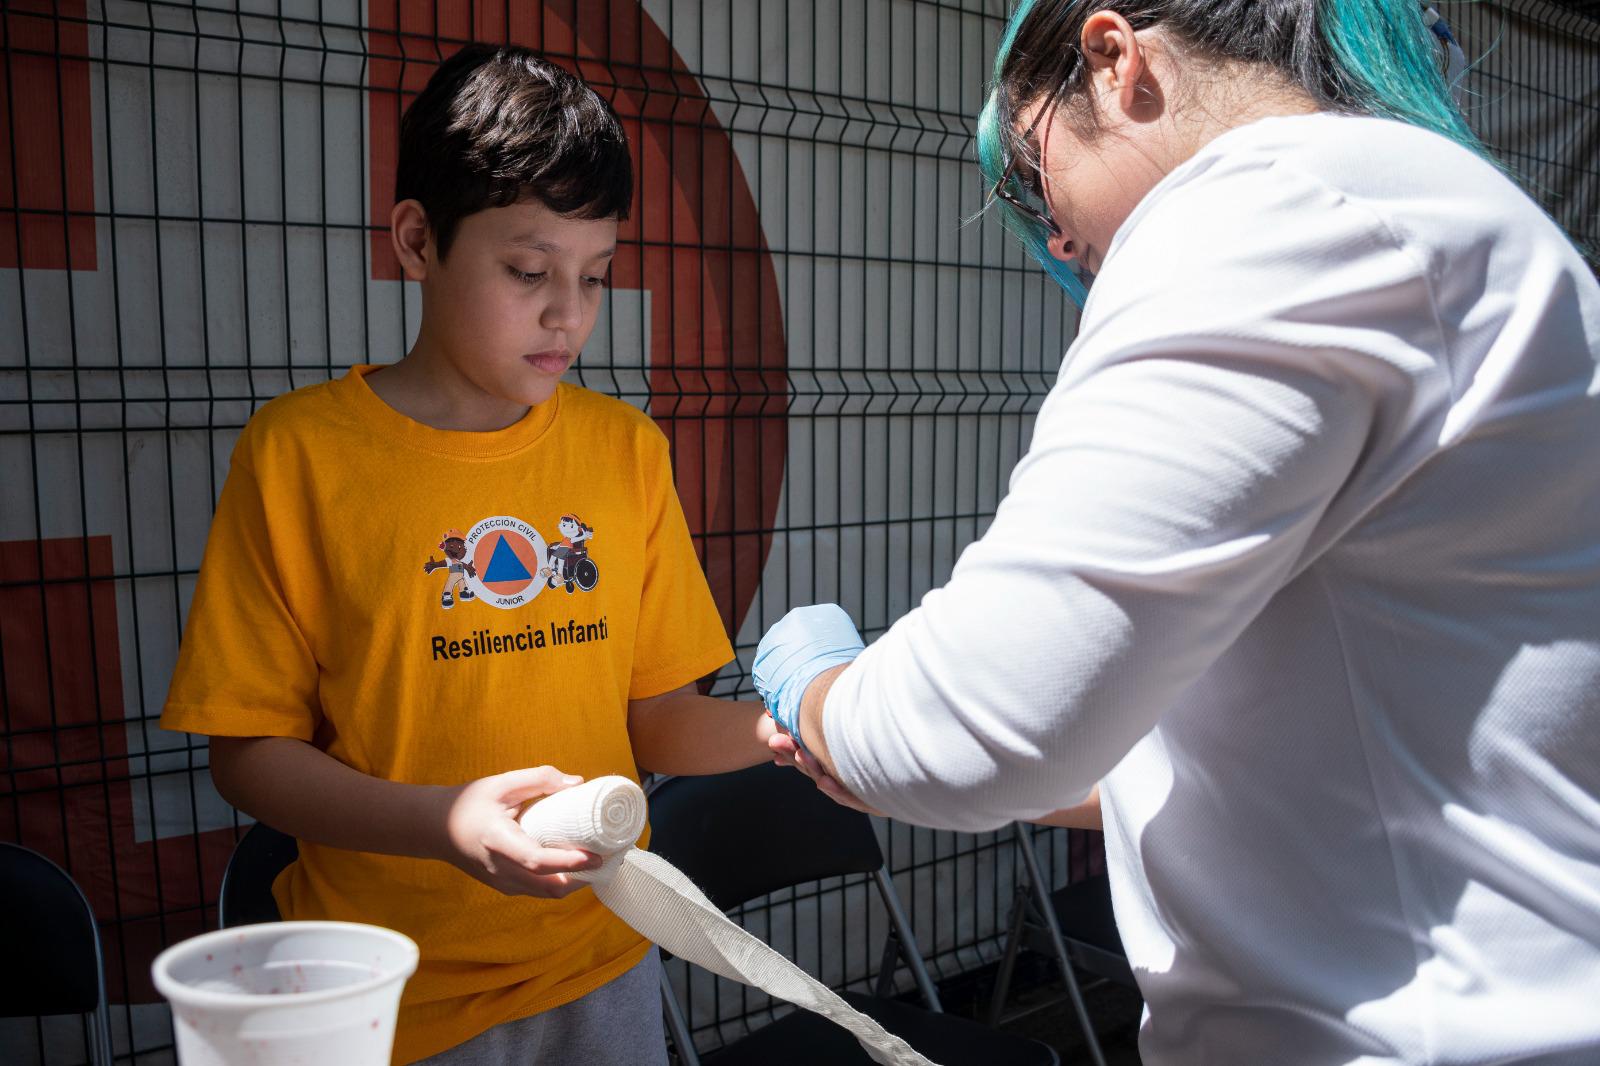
412	238
1116	62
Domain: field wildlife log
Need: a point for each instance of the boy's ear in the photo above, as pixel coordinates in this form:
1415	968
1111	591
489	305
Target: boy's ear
412	238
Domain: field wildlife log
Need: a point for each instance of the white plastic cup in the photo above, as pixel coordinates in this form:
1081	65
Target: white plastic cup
286	993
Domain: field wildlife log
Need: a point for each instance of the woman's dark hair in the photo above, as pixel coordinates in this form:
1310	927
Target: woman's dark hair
1369	57
497	124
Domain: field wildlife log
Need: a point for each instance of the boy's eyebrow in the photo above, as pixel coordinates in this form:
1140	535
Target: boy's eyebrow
537	244
527	240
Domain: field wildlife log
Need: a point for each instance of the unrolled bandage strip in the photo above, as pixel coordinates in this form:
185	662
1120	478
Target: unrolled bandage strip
606	816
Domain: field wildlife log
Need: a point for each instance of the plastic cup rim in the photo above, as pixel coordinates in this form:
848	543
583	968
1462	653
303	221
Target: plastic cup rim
167	985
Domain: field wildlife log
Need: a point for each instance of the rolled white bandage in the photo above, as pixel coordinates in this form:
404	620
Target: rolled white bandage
606	816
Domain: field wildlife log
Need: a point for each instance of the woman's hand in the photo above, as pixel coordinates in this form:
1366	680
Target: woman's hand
786	752
805	643
483	839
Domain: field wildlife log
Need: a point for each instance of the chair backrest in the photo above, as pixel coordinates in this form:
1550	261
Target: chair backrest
258	858
52	963
741	835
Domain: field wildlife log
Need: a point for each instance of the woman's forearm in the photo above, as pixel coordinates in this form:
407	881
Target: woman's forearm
1085	815
811	728
312	796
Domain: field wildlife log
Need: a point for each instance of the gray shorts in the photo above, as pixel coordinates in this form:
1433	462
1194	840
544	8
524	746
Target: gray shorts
618	1024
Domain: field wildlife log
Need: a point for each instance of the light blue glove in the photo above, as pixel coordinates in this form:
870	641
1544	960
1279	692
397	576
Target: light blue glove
806	642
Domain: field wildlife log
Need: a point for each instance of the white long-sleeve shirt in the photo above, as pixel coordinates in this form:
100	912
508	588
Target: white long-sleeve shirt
1304	564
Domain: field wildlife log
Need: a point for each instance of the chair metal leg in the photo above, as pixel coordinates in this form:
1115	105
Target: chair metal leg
908	942
101	1053
677	1026
1008	961
1058	944
888	963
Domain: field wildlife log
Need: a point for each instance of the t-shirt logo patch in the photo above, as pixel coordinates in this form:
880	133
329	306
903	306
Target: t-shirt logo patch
496	561
505	562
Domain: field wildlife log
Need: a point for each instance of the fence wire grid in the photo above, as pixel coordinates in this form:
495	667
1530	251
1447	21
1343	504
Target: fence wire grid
193	206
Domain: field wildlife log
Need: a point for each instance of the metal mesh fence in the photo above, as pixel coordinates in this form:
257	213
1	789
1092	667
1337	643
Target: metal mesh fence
192	210
1533	95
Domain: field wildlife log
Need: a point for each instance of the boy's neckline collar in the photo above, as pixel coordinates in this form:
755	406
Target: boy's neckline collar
354	389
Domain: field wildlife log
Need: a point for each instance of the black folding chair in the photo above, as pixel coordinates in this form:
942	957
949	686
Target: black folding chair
1073	925
742	835
53	963
258	858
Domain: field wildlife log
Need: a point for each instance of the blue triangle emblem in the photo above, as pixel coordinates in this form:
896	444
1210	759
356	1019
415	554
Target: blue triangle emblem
504	565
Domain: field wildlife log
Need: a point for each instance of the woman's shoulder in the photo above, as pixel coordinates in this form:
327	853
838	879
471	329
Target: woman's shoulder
1254	252
1348	151
1250	222
1304	181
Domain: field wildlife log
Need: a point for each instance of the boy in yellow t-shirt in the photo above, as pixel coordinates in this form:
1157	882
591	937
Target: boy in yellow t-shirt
376	648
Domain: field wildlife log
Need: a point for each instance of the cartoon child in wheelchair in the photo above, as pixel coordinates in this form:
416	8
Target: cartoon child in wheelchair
568	561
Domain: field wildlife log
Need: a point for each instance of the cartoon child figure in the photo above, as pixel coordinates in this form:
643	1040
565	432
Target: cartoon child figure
565	558
456	567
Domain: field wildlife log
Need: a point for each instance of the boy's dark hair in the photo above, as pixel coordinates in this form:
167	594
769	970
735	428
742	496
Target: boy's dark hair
497	124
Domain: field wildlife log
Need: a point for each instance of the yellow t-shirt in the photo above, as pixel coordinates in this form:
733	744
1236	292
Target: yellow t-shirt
387	592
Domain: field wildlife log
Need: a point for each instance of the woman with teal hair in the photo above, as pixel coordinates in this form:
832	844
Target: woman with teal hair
1298	585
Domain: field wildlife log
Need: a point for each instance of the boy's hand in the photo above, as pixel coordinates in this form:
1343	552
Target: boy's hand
483	838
